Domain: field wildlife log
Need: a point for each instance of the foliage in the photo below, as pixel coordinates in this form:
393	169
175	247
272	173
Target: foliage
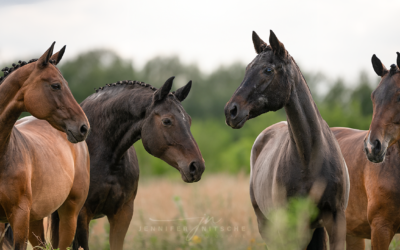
288	226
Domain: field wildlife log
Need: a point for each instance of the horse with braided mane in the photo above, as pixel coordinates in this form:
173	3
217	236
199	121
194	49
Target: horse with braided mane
44	165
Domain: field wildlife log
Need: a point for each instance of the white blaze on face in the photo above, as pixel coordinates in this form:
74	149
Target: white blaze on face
369	145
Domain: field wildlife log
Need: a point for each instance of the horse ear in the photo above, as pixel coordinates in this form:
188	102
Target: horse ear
162	92
379	68
398	59
44	59
58	56
257	41
277	46
183	92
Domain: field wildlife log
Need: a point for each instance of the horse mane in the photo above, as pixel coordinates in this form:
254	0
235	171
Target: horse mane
113	107
126	82
7	71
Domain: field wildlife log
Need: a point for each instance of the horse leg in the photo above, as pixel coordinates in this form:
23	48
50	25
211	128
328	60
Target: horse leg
382	234
68	214
19	220
82	230
261	219
335	224
354	243
2	229
119	224
36	233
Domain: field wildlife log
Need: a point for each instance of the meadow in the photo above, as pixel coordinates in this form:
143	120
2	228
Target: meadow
213	214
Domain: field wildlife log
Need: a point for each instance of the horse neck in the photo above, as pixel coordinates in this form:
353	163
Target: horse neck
117	125
304	119
11	107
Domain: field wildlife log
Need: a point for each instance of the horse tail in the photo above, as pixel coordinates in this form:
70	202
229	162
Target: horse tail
318	240
55	229
8	240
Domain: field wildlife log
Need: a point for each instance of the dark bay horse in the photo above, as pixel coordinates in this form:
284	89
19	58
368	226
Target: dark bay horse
121	114
43	168
293	158
374	204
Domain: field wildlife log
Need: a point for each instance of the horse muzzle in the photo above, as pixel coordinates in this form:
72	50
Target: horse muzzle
234	117
375	151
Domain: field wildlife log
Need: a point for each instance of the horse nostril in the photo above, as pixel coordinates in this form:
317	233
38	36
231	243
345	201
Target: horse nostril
83	129
377	147
192	168
234	111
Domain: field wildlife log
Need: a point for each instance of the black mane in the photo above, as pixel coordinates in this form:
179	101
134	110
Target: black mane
125	82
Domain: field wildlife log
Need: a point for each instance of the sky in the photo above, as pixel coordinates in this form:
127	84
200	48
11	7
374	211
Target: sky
337	38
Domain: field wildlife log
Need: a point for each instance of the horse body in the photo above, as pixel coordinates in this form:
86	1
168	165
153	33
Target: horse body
374	195
51	173
274	180
41	170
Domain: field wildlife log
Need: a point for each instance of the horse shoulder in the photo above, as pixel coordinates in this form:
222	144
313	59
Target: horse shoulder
266	136
264	163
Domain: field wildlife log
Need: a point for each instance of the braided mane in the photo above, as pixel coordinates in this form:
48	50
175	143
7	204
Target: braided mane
7	71
126	82
393	69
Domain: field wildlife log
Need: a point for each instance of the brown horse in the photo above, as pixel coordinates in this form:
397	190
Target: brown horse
293	158
373	210
43	168
121	114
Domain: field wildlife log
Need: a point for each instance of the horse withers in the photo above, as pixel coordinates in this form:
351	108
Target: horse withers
373	159
294	158
43	167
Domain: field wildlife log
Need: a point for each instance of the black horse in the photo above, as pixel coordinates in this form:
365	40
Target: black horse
297	158
121	114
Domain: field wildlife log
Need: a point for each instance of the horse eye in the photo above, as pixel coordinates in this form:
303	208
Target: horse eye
166	122
268	71
56	86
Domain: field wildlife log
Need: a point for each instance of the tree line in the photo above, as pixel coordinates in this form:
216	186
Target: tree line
224	149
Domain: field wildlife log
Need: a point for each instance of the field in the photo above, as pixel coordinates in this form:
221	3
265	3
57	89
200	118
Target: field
217	200
214	213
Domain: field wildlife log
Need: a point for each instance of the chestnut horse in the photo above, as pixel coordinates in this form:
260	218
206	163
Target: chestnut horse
43	168
121	114
373	211
297	158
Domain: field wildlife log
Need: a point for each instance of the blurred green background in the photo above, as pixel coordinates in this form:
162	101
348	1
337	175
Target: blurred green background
224	149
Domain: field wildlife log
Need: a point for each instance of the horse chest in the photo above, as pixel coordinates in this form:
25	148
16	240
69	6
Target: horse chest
110	189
